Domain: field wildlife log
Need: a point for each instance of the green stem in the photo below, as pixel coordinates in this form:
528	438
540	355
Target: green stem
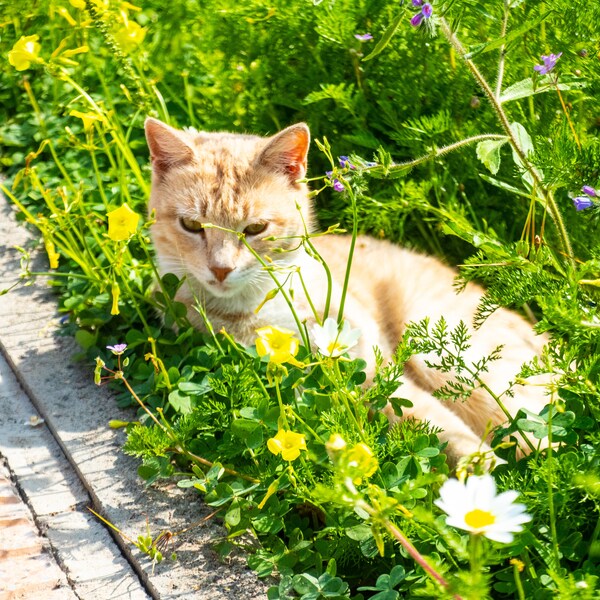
502	53
549	481
518	582
339	384
340	316
474	554
442	151
281	405
497	106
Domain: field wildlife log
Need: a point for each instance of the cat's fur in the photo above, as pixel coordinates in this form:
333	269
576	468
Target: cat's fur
234	181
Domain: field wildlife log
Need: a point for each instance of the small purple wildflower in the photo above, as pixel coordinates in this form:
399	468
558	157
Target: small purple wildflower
589	190
417	2
363	37
416	20
426	12
338	186
345	163
117	349
582	202
549	61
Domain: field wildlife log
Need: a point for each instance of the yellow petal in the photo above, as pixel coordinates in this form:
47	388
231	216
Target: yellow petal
122	223
115	299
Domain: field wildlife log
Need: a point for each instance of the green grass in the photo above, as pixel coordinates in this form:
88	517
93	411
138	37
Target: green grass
477	171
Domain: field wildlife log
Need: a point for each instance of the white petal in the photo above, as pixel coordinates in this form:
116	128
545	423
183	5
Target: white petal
483	489
452	497
459	523
348	337
499	536
506	498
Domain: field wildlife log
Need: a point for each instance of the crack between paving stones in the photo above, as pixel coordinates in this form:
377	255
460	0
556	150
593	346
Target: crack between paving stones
96	504
41	526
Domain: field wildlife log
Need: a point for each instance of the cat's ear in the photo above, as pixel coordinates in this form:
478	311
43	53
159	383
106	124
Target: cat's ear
286	152
169	147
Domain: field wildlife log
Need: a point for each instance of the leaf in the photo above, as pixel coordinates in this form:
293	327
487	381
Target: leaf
505	186
180	402
488	152
359	533
513	35
85	339
386	37
525	88
195	389
524	142
523	139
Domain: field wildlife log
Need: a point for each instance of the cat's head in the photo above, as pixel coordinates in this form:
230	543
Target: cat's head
240	183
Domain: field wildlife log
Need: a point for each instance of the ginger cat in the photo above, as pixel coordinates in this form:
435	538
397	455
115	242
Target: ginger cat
250	184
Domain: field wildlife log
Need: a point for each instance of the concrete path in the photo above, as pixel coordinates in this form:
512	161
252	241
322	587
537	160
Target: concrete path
51	547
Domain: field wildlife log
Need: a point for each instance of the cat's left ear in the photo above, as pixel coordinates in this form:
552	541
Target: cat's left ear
287	151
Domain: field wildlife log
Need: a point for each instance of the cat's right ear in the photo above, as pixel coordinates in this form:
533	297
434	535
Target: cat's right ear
286	152
168	147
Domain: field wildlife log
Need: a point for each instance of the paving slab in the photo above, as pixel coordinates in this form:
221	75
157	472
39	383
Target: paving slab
73	460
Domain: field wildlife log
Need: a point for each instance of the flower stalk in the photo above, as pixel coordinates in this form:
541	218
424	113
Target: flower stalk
497	106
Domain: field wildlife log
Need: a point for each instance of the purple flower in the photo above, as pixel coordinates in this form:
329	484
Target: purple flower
345	163
549	63
417	2
582	202
117	349
416	20
363	37
338	186
426	12
589	190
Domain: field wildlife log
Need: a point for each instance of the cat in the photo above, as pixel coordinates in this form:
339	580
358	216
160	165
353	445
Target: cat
254	185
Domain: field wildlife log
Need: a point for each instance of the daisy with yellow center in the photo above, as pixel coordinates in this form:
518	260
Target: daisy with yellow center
122	223
475	506
288	444
279	344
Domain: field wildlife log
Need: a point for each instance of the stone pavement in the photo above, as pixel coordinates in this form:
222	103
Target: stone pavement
51	546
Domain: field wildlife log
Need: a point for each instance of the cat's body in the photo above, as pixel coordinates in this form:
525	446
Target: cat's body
249	184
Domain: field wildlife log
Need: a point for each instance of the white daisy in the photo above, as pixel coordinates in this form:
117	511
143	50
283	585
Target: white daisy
474	506
332	342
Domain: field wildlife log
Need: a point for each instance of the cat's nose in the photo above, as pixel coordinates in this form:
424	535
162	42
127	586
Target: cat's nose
221	273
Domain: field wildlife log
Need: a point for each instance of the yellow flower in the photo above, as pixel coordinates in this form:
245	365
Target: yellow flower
80	4
87	118
116	292
335	444
66	15
288	443
361	462
130	35
53	255
122	223
24	52
279	344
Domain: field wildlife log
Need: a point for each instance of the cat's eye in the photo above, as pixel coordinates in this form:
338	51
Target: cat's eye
255	228
191	225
